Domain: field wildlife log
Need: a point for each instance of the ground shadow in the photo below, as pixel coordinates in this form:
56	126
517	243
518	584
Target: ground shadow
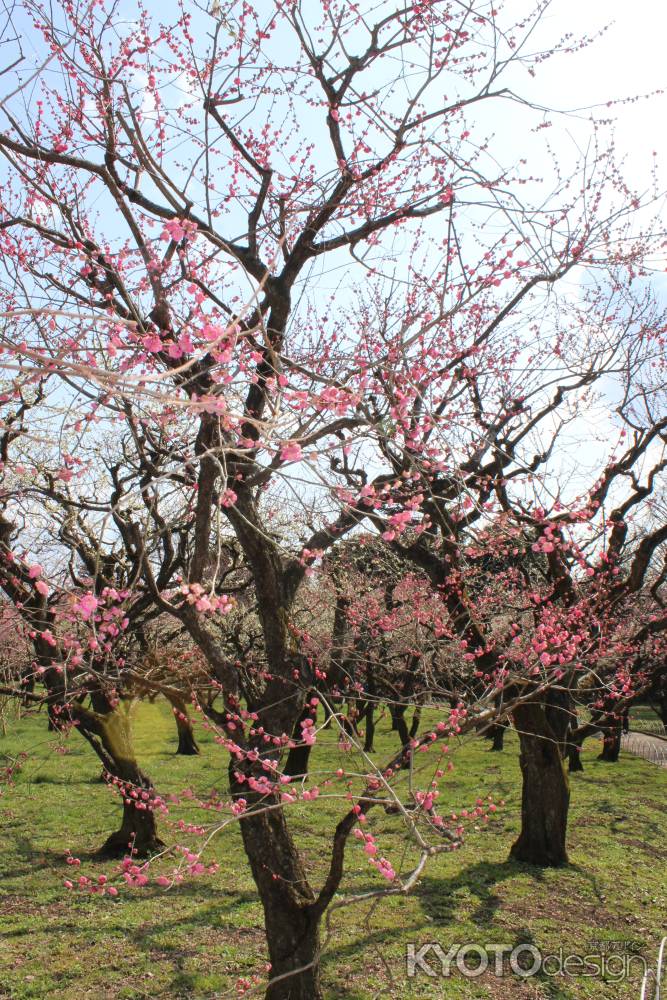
440	897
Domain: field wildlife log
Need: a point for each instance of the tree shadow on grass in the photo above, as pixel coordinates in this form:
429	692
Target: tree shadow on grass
218	910
29	858
44	778
337	956
441	898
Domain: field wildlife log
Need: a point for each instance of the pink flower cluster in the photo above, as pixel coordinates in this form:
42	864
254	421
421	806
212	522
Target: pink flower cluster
195	594
179	229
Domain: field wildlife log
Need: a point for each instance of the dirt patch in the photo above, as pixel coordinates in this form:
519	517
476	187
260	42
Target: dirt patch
22	905
560	912
651	849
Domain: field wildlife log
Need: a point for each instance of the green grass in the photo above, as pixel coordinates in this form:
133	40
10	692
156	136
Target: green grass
196	939
644	719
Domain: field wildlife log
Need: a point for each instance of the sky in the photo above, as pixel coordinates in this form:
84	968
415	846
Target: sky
629	59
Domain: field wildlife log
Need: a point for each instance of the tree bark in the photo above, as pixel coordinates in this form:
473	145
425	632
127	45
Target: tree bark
296	765
137	834
545	794
398	723
574	756
416	719
291	923
611	742
108	729
496	735
187	745
560	714
370	728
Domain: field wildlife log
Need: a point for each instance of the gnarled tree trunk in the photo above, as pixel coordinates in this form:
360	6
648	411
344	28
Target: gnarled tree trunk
611	741
496	734
298	757
574	755
545	794
398	723
108	729
187	745
292	924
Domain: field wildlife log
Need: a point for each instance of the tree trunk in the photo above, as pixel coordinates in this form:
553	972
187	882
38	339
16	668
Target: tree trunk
187	745
349	720
370	729
416	719
545	795
560	714
137	834
371	688
572	749
293	938
497	736
27	684
109	731
292	927
296	765
574	756
398	723
611	742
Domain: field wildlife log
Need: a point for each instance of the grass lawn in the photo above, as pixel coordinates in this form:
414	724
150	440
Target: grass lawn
644	719
196	939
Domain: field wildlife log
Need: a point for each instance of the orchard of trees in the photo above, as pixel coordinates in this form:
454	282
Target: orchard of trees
326	396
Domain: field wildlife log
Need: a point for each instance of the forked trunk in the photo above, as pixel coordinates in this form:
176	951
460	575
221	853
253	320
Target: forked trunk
545	794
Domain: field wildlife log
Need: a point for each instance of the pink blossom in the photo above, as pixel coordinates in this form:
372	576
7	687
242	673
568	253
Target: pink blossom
87	606
178	229
290	452
152	343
